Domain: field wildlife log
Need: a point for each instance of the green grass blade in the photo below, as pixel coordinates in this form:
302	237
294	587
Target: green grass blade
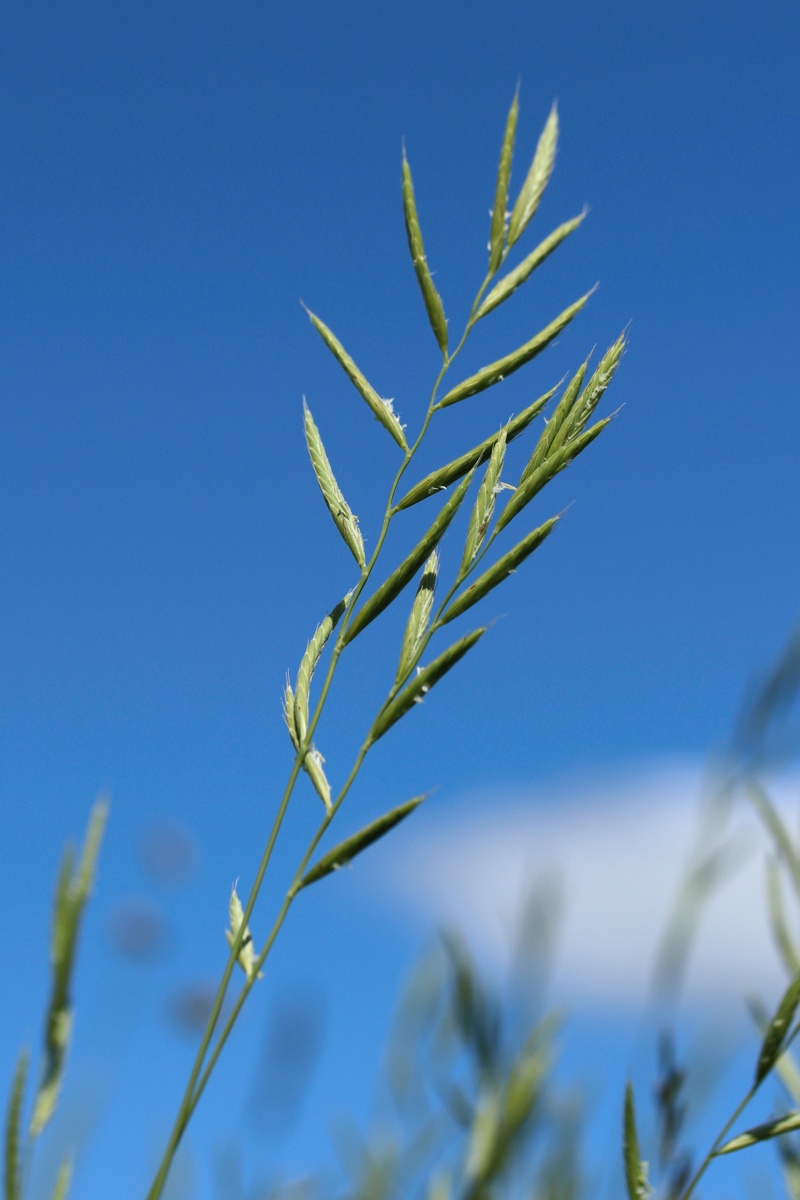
506	286
537	179
347	850
548	470
422	683
776	828
777	919
497	237
418	619
495	575
392	587
63	1180
90	852
635	1169
778	1030
72	893
444	476
308	665
340	510
12	1173
381	408
483	507
496	371
433	303
762	1133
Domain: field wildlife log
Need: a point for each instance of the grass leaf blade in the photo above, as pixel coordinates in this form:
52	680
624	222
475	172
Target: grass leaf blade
432	299
12	1172
347	850
777	919
344	519
392	586
381	408
72	893
495	575
496	371
776	828
537	178
506	286
635	1169
497	238
444	476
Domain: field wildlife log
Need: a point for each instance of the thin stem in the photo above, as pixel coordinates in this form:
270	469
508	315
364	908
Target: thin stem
194	1089
705	1164
294	887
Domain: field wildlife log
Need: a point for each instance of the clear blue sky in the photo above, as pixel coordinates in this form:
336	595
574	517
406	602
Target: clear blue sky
174	179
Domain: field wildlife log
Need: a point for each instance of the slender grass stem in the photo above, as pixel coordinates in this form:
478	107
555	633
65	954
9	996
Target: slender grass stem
720	1138
197	1081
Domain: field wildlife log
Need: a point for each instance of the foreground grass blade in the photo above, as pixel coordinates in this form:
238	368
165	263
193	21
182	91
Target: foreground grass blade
340	510
778	921
635	1170
775	826
778	1030
496	371
762	1133
509	283
12	1173
495	575
353	846
410	565
72	894
444	476
422	683
433	302
381	408
497	237
537	179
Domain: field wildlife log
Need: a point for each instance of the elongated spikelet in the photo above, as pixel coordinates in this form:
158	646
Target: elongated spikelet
345	521
382	408
418	618
497	238
537	179
433	302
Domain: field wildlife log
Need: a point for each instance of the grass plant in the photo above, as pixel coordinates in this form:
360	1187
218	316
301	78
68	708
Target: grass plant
451	576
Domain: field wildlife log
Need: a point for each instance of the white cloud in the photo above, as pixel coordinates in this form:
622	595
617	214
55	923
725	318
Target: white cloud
620	848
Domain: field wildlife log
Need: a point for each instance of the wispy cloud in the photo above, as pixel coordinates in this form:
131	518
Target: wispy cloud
620	849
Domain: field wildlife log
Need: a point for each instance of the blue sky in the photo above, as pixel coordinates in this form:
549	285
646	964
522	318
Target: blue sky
175	179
